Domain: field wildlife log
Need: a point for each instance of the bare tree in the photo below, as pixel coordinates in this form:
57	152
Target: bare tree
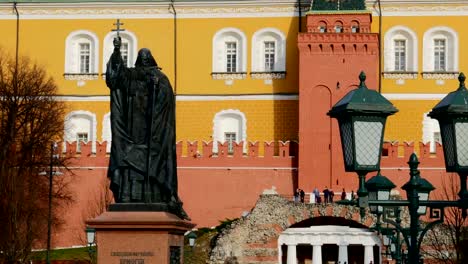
444	243
30	118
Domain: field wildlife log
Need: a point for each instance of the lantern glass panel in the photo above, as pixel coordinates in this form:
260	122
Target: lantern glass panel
90	236
446	129
368	137
347	142
423	196
382	195
461	135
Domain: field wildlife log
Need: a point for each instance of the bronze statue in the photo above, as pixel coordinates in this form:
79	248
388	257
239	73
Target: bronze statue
143	164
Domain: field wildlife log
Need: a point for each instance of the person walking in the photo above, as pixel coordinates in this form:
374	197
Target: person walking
317	195
302	195
343	195
326	194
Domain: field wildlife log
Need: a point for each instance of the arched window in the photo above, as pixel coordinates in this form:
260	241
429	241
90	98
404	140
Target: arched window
322	27
440	53
354	26
268	51
229	54
401	50
80	126
338	27
81	56
106	131
128	49
229	126
431	132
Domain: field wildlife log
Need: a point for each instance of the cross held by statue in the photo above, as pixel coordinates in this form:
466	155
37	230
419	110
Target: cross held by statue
118	29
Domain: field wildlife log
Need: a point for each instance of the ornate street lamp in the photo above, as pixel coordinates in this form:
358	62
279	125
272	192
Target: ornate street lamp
452	114
91	239
379	188
361	116
191	238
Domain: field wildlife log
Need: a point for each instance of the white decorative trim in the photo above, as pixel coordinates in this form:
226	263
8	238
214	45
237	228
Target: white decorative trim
219	53
429	127
452	53
188	98
106	131
440	75
412	96
228	75
108	47
135	10
71	57
400	75
329	234
268	75
81	76
93	127
411	38
273	34
216	127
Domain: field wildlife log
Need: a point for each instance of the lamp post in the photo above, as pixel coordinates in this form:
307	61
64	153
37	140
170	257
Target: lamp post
361	117
91	239
53	148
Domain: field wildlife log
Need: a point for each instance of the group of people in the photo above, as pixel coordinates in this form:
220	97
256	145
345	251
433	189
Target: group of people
328	195
299	195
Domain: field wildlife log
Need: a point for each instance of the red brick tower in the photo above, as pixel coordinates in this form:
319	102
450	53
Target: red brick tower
338	45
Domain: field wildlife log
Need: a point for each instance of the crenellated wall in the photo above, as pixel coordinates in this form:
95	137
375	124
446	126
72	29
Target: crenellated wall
216	186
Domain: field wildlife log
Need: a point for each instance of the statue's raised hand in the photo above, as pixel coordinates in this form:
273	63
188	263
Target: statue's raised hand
117	43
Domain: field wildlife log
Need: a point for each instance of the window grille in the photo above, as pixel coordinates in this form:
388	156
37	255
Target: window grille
230	138
269	55
231	56
85	54
400	55
439	55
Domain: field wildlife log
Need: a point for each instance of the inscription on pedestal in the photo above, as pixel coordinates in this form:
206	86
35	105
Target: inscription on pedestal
127	254
132	261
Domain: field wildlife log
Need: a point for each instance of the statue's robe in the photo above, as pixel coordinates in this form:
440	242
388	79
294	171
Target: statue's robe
142	98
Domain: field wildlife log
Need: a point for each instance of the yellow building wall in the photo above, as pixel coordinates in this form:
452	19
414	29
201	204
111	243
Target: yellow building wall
266	120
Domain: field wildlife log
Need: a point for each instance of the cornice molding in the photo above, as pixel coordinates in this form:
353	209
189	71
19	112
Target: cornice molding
187	10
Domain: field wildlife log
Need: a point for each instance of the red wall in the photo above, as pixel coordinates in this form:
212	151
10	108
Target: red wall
329	66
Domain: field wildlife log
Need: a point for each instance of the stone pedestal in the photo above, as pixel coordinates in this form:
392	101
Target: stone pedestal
139	237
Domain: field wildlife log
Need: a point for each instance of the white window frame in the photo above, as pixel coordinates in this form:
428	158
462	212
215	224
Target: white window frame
70	134
410	37
72	51
219	131
232	54
219	49
79	136
258	49
429	128
440	61
84	60
451	44
127	37
400	65
106	131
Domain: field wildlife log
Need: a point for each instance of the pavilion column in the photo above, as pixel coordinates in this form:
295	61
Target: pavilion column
343	252
368	254
292	256
280	254
317	253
